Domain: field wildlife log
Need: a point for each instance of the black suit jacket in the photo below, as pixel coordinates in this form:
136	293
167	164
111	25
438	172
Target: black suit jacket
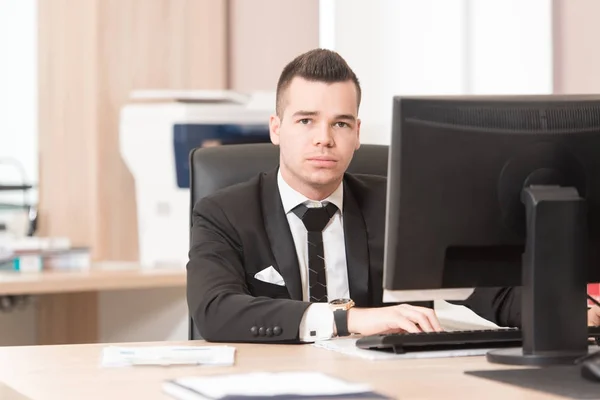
242	230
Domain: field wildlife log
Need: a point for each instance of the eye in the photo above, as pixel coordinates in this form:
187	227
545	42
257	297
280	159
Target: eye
341	124
304	121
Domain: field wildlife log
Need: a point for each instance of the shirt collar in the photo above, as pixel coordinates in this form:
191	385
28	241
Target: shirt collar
290	198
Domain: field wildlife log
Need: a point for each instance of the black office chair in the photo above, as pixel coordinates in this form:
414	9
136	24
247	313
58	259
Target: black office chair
214	168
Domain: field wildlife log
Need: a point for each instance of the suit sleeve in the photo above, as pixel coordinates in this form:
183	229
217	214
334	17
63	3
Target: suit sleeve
219	300
499	305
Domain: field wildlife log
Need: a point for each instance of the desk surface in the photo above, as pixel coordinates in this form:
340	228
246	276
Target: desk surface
74	372
105	276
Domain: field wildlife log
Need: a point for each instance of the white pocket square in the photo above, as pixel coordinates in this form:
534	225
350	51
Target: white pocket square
270	275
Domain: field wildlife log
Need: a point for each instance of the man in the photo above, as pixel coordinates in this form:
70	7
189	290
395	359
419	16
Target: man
271	258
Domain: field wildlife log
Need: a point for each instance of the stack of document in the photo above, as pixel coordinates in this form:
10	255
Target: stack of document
114	356
261	385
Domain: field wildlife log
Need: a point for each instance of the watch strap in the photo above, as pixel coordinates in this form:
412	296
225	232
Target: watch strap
340	318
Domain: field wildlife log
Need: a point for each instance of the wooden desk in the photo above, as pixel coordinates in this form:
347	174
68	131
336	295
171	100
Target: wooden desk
74	372
67	309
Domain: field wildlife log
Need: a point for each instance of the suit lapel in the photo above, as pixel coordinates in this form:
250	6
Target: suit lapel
280	236
357	251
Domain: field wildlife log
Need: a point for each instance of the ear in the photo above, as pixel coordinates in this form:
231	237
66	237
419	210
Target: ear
357	134
274	125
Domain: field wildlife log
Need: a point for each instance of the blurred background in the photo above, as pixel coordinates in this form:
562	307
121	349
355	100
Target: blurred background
101	101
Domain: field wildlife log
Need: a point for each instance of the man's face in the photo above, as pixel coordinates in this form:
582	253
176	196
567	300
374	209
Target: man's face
317	132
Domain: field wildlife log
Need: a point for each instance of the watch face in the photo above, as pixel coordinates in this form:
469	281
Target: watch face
339	302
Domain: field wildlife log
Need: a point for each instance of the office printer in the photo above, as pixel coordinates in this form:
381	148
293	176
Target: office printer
158	129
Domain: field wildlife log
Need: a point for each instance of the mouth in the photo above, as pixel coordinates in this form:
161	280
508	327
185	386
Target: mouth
322	161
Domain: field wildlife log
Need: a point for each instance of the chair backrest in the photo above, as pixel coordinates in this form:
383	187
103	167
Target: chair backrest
214	168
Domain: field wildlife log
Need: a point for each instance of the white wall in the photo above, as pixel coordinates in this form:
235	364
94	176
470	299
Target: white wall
18	87
510	48
18	106
425	47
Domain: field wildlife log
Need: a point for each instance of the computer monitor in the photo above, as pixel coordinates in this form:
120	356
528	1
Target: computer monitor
498	192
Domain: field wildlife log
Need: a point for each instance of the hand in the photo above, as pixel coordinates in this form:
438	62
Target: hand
393	319
594	316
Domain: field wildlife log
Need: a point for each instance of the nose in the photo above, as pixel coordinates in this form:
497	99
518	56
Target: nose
323	136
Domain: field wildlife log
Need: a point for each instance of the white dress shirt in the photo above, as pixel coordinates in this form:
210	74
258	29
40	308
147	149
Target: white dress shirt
317	322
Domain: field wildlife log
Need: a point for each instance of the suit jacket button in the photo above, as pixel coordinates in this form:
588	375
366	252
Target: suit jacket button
277	330
261	331
254	331
269	332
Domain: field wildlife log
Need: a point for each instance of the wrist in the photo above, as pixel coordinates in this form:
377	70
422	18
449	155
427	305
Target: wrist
340	308
353	320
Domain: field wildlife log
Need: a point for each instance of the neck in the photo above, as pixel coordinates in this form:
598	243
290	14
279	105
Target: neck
311	192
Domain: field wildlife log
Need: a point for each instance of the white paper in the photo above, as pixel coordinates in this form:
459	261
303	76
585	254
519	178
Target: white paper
348	347
404	296
266	384
114	356
453	317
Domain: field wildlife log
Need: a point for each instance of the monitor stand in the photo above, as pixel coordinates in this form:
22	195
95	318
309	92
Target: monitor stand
554	280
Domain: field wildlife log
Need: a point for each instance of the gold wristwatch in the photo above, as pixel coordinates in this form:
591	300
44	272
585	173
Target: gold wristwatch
340	309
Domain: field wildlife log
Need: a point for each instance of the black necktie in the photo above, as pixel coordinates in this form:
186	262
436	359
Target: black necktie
315	219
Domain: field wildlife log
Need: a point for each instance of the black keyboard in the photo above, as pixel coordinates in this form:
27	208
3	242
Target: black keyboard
449	340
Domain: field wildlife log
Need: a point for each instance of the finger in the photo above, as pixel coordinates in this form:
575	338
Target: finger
431	316
403	323
393	331
418	317
433	319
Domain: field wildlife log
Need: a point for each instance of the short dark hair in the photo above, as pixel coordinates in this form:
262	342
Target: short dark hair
320	65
